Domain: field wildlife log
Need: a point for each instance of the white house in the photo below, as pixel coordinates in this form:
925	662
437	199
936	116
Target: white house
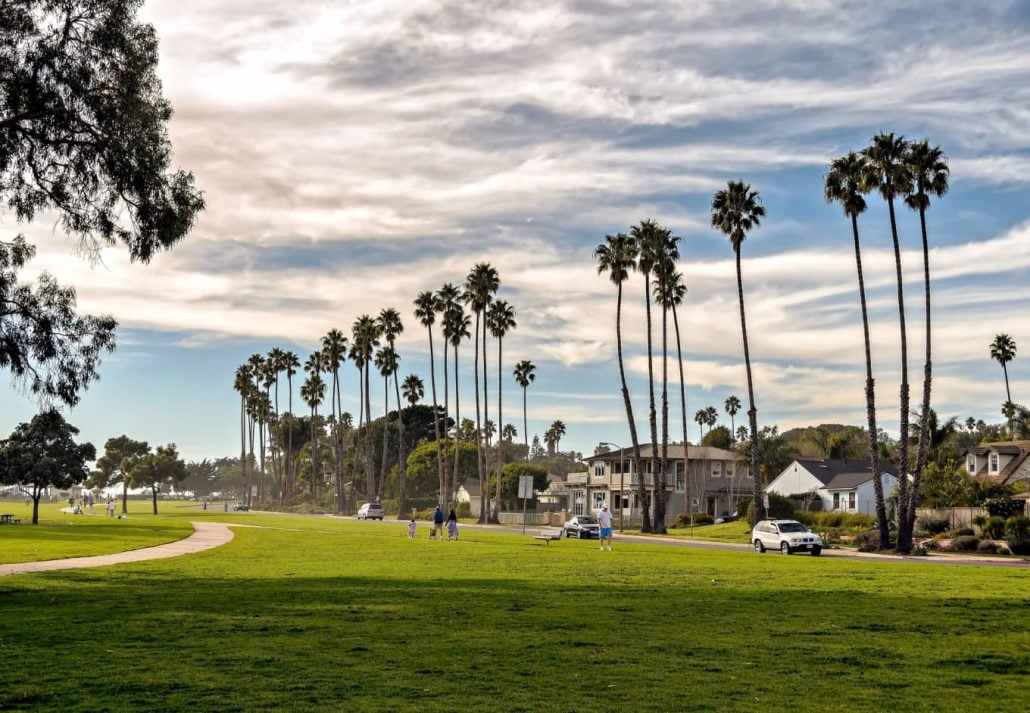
840	485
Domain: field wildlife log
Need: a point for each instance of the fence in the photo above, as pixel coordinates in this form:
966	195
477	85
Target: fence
958	517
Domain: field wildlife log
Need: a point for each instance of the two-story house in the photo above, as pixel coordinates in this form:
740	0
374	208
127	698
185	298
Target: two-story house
1004	463
717	480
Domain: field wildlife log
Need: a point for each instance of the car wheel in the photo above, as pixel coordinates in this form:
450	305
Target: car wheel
759	547
785	548
816	551
579	534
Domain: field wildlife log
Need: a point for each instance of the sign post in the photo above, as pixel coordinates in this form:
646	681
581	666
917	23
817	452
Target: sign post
525	492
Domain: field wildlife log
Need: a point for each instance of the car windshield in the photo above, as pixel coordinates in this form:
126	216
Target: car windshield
792	527
587	521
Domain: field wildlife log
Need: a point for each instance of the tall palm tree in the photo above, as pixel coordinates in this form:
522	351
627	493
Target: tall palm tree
885	158
558	428
736	210
675	291
711	416
617	255
500	319
509	432
425	313
846	181
275	366
360	447
413	389
244	386
929	177
456	328
257	369
667	249
313	393
291	363
387	362
1003	350
447	300
525	374
365	337
732	406
334	351
701	419
391	326
480	285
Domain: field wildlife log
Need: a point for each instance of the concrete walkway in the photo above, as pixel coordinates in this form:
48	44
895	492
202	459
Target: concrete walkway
206	535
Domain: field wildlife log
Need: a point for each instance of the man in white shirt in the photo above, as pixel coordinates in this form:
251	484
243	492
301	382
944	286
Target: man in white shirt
604	519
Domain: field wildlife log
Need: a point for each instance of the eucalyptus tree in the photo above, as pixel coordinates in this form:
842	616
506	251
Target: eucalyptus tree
481	284
732	406
1003	350
290	365
846	182
928	169
425	313
365	337
500	319
387	362
525	374
334	352
456	327
617	256
313	394
391	327
736	210
890	174
413	389
446	299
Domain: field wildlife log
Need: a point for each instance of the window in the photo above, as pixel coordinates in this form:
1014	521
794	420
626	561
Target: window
836	501
717	469
599	468
993	462
599	499
971	464
851	500
729	470
681	478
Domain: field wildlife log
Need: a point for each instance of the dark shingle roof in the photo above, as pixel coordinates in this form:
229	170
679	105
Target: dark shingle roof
830	472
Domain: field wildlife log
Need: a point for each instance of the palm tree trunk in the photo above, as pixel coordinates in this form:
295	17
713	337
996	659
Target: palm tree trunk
904	544
243	441
457	434
402	501
870	402
370	478
659	487
500	426
314	450
752	412
637	463
652	414
290	475
436	414
359	441
525	422
444	492
486	417
683	414
1008	394
479	427
381	488
927	377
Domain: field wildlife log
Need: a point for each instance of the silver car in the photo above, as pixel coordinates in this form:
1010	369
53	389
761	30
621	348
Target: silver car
787	536
582	527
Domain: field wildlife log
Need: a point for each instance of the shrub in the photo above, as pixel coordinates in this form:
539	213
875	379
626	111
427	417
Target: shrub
869	541
962	532
1017	534
463	510
965	543
933	525
700	518
780	508
929	545
1002	507
980	521
994	527
986	547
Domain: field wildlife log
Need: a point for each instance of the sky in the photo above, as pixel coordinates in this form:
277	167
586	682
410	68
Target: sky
353	154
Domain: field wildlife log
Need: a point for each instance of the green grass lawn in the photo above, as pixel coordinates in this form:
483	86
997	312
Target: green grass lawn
323	614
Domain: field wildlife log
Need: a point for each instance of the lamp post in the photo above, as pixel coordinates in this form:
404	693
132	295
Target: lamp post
622	483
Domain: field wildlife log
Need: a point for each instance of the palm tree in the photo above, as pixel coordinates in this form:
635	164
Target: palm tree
446	300
456	328
500	318
256	362
365	337
391	326
929	175
890	174
413	389
290	363
675	291
701	419
275	365
846	181
425	313
1003	350
735	211
313	393
617	255
525	374
360	451
667	253
509	432
480	285
244	386
334	351
732	406
558	430
387	362
712	416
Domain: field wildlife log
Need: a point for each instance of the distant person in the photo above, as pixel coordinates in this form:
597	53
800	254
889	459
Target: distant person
411	529
205	503
110	507
225	506
452	526
604	519
437	524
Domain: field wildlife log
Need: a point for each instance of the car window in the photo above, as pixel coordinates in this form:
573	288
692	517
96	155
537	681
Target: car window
792	527
587	521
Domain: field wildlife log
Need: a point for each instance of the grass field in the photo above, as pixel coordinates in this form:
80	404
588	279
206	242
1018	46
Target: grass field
320	614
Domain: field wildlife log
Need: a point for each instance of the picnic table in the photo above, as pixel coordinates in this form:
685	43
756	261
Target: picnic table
7	518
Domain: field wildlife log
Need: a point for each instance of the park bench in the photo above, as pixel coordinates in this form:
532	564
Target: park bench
547	537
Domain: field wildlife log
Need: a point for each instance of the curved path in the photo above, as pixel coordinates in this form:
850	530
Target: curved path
206	535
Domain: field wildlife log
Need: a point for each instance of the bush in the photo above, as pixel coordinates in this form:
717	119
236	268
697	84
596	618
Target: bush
700	518
839	520
869	541
986	547
994	527
933	525
980	521
962	532
965	543
1017	534
463	510
780	508
1002	507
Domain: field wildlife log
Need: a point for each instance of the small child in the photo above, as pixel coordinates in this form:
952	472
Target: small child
411	529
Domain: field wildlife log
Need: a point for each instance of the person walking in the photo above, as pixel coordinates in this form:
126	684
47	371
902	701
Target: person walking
437	523
604	519
452	526
110	507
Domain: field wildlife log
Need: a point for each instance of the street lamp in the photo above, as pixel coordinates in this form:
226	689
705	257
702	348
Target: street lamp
622	483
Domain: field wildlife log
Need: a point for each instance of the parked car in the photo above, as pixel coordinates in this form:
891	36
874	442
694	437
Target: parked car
582	527
242	507
370	511
787	536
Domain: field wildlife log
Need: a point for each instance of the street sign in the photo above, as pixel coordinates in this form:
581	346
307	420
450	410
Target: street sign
526	486
765	501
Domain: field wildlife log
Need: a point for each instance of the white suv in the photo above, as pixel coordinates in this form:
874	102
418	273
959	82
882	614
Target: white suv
370	511
787	536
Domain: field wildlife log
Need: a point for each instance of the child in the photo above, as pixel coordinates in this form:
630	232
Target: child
411	529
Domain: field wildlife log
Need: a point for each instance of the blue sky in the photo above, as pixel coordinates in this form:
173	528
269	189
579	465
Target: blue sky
356	154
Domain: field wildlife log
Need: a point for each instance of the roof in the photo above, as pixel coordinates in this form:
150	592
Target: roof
471	486
1019	450
648	452
842	473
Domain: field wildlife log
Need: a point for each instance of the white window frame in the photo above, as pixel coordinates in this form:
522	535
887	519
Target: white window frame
716	468
599	499
599	468
971	464
994	462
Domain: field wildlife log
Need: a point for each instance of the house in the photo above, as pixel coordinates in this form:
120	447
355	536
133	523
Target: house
717	481
468	492
840	485
1002	463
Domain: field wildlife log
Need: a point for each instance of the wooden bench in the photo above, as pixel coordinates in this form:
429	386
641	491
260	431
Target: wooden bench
547	537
